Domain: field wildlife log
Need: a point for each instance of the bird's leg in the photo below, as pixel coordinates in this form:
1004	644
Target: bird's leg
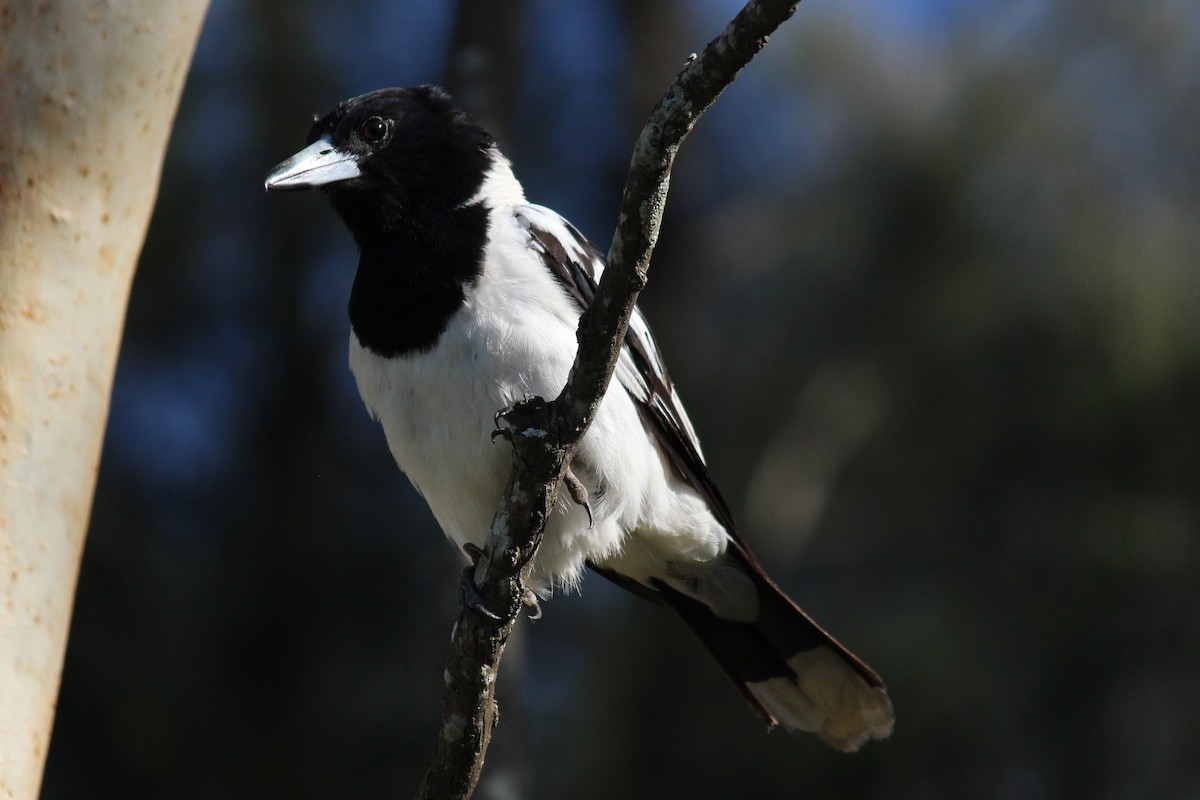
467	590
578	492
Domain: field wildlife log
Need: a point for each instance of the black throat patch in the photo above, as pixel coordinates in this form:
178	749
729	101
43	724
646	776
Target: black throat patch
411	281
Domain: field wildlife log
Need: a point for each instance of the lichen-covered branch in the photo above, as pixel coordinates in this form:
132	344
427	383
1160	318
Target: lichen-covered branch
695	88
540	461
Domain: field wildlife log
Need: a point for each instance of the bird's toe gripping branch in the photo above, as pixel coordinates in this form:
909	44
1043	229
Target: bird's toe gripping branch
530	600
468	591
579	494
520	419
498	427
471	597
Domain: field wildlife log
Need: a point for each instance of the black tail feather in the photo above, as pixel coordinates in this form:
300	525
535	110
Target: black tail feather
787	668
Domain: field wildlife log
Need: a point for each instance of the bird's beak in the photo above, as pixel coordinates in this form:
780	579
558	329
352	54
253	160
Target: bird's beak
316	165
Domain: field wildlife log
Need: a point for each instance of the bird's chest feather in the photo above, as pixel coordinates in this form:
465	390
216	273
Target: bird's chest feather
437	407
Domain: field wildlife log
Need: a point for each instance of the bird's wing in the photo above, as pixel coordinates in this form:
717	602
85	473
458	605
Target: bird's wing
788	669
578	265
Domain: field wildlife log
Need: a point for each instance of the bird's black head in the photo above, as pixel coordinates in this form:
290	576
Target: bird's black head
400	166
389	156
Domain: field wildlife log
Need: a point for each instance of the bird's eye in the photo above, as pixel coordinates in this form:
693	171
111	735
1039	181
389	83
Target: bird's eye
373	129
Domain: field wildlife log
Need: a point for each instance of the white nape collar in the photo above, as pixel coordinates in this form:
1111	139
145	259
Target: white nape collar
500	186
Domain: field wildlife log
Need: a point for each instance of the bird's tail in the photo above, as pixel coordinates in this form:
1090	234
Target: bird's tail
789	670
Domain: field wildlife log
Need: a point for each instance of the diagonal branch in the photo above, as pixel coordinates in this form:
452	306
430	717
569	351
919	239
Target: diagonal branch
545	434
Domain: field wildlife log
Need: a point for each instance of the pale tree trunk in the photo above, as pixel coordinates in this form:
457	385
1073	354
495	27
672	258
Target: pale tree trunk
88	91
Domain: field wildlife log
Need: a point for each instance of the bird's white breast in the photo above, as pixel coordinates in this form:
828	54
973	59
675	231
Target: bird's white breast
513	337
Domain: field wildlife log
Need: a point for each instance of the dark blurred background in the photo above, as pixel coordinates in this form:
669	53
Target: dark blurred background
929	285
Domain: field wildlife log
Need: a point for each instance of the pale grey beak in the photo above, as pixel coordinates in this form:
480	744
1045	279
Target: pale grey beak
316	165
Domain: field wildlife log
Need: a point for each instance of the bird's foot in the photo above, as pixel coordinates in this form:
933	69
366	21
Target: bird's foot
498	429
579	493
521	418
467	590
531	602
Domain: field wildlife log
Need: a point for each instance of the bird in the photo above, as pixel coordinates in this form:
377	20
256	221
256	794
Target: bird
465	301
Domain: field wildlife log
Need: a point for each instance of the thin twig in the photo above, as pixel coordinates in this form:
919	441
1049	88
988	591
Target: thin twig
539	461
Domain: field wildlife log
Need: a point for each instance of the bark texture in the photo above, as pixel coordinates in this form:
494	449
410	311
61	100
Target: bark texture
88	96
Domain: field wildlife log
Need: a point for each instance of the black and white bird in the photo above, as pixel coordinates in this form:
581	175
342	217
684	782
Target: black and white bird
466	300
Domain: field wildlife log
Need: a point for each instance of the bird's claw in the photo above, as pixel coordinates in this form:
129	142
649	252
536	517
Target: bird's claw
531	602
500	430
497	428
473	552
472	599
579	494
470	596
467	590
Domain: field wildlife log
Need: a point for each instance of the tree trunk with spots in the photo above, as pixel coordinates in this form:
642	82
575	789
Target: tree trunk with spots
87	98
